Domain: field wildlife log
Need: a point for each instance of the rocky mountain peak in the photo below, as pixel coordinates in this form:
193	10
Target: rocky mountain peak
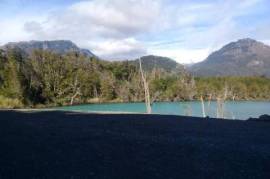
245	57
57	46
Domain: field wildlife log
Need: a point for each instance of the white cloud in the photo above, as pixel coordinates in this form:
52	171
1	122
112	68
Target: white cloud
107	27
12	31
119	49
103	18
267	42
123	28
182	56
124	17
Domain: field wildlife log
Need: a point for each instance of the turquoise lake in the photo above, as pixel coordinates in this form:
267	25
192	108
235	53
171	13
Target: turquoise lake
232	109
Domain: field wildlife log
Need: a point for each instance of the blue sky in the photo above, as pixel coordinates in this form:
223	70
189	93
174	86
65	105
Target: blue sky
186	30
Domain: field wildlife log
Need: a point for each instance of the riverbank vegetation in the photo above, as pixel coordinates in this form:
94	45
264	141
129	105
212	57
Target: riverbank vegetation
49	79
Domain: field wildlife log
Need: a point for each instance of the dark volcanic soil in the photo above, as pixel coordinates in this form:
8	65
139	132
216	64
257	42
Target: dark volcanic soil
72	145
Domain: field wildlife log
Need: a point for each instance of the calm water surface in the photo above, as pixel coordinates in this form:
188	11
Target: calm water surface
232	109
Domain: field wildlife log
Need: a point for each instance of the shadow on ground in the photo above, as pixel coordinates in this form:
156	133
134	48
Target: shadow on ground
72	145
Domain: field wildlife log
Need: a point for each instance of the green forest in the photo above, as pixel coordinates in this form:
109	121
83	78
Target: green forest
47	79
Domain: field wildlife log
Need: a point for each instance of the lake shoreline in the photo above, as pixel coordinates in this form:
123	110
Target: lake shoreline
46	106
230	110
119	101
66	144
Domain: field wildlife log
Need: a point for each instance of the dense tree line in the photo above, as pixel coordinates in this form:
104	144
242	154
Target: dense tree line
46	78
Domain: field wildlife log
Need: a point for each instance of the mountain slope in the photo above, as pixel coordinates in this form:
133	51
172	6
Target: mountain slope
150	62
246	57
56	46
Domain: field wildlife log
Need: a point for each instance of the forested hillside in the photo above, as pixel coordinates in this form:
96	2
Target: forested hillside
46	78
150	62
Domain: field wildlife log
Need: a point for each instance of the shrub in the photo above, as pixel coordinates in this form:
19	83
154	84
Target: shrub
9	103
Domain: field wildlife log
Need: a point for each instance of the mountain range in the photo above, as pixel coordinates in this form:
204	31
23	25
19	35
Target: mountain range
64	46
56	46
245	57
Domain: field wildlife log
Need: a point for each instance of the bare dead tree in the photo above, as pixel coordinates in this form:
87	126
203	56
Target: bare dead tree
219	107
76	90
221	103
74	96
209	103
146	90
233	97
203	108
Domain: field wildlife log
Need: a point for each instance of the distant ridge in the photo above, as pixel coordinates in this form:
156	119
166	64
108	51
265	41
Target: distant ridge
245	57
56	46
150	62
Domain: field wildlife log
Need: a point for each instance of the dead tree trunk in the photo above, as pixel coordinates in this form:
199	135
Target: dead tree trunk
203	109
209	104
146	90
73	97
76	91
95	91
220	107
221	104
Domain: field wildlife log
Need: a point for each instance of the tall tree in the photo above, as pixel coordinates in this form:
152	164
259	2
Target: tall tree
12	78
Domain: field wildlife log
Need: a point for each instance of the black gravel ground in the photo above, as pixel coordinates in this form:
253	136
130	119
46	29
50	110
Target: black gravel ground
72	145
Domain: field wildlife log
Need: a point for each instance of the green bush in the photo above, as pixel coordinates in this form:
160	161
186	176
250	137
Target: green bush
9	103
